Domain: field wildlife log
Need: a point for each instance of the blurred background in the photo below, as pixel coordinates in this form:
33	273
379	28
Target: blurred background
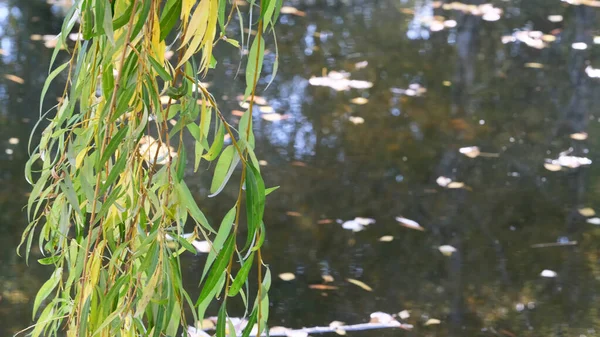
478	121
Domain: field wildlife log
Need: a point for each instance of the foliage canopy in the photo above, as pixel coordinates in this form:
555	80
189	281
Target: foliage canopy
109	200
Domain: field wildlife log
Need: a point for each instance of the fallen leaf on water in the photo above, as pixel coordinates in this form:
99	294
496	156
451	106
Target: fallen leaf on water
287	276
555	18
13	141
356	120
339	81
404	314
456	184
361	64
447	83
552	167
360	284
292	10
238	113
322	287
381	318
548	273
267	109
359	100
579	46
594	221
273	117
470	151
534	65
443	181
336	324
14	78
263	162
324	221
327	278
257	99
587	211
386	238
579	136
447	250
358	224
293	213
408	223
432	321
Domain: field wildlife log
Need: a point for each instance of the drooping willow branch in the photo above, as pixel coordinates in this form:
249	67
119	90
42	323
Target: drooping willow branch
109	189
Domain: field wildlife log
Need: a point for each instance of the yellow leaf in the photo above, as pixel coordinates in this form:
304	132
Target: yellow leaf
587	212
432	321
287	276
360	284
158	47
147	293
186	9
198	23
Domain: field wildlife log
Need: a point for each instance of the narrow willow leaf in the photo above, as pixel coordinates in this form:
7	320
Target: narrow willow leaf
255	62
271	189
169	18
160	70
67	187
221	18
147	293
186	244
123	19
218	269
241	276
112	146
222	319
217	144
50	260
188	200
222	169
217	245
144	15
108	25
46	289
181	161
255	201
48	81
115	171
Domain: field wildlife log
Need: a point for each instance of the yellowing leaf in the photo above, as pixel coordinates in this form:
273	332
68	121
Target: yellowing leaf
360	284
386	238
579	136
470	151
447	250
587	211
14	78
327	278
432	321
552	167
359	100
287	276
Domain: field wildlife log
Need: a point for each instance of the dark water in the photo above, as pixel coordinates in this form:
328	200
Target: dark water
480	92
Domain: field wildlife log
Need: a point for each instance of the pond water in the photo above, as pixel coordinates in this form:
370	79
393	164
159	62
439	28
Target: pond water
519	84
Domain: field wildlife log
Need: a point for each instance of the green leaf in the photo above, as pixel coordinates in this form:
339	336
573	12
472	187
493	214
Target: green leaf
271	189
142	18
50	260
222	169
221	17
160	69
186	244
222	319
241	276
181	160
112	146
46	289
255	62
255	201
217	245
115	171
218	269
108	25
169	18
185	196
48	81
217	144
124	18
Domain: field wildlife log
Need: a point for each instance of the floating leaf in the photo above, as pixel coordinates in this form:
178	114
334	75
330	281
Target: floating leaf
587	211
287	276
359	100
360	284
14	78
386	238
322	287
327	278
579	136
447	250
408	223
470	151
548	273
432	321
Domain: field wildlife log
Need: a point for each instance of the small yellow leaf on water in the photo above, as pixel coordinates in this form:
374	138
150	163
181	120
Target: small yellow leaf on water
456	184
555	18
359	100
14	78
404	314
432	321
13	141
360	284
386	238
587	211
447	250
408	223
470	151
266	109
579	136
447	83
552	167
356	120
287	276
327	278
534	65
291	10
